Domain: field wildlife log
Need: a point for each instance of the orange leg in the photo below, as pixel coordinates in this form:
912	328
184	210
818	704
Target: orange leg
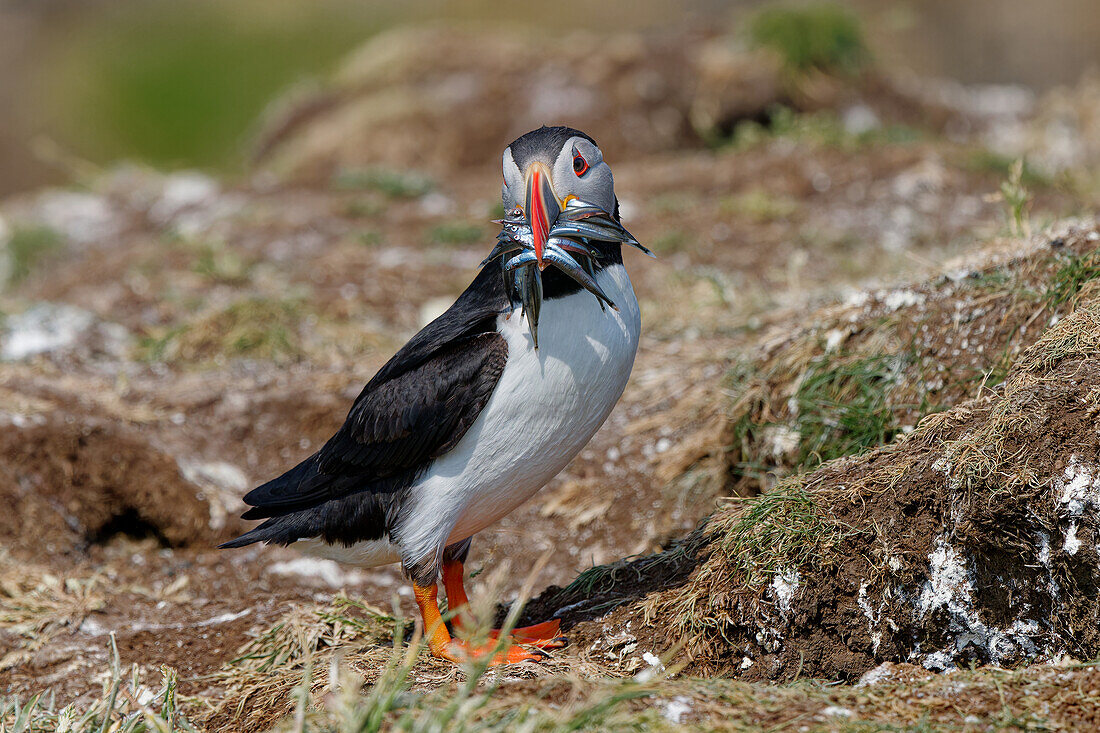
546	635
443	646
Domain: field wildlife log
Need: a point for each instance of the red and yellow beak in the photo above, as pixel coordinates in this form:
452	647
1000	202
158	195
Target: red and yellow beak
542	206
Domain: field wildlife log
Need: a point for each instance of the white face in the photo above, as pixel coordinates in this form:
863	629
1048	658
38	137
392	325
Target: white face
578	169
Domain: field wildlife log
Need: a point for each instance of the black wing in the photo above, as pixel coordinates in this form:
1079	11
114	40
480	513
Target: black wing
415	409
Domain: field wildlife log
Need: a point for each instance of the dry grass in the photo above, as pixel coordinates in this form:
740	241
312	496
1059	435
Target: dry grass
257	328
123	706
35	605
300	649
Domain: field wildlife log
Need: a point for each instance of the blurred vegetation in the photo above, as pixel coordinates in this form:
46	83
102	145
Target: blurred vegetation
983	160
824	129
27	247
174	83
1071	277
823	37
759	205
256	328
456	233
392	183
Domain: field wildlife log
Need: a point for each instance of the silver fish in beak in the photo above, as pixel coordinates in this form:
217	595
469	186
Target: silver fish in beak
550	232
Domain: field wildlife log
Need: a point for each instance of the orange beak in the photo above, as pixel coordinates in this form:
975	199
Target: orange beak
542	206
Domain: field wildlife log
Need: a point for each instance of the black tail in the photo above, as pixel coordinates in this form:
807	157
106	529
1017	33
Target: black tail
302	487
257	534
305	502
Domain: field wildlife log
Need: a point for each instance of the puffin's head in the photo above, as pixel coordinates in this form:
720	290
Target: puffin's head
548	167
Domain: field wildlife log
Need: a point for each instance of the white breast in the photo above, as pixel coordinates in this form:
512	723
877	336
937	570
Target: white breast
546	406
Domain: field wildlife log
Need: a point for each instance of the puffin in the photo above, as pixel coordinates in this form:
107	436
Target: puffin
486	404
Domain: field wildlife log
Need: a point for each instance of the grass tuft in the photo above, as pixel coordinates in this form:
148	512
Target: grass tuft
763	535
30	246
256	328
1017	200
456	234
839	404
124	706
843	407
822	37
392	183
1071	277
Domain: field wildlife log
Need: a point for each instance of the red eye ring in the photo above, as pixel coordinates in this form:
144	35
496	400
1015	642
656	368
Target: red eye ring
580	165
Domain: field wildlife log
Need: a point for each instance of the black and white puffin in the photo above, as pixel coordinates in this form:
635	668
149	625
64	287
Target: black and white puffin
487	403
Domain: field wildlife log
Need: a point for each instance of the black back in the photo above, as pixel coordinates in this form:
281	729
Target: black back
415	409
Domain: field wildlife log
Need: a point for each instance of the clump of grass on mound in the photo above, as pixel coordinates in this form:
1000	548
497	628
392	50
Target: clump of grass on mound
820	37
839	407
256	328
784	528
1074	272
855	376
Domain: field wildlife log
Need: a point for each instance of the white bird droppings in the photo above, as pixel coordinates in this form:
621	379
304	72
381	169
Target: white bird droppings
674	710
326	571
901	299
1078	487
1072	544
785	585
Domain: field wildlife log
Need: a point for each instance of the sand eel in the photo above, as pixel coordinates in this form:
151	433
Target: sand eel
487	403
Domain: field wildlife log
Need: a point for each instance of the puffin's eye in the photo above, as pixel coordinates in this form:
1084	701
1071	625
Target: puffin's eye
580	165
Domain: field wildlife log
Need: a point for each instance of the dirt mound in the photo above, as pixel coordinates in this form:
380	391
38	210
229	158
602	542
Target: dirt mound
973	537
70	482
416	97
857	375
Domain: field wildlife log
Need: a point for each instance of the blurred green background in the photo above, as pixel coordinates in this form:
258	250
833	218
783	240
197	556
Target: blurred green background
184	82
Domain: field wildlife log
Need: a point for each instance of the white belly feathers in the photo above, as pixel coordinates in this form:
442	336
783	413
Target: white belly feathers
545	408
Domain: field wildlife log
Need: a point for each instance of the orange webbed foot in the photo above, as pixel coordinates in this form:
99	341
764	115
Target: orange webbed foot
546	635
463	651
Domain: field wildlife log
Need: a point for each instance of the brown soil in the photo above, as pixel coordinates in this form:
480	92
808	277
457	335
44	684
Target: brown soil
75	482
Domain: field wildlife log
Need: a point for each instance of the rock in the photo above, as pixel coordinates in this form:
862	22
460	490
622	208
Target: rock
58	329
